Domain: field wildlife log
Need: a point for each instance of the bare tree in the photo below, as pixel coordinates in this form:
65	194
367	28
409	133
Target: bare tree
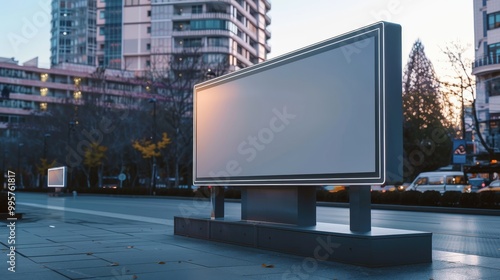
173	76
463	84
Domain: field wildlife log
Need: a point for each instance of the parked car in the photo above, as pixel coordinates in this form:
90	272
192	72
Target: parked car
493	187
441	181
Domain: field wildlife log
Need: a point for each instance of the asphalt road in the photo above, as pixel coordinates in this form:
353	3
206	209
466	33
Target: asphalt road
460	233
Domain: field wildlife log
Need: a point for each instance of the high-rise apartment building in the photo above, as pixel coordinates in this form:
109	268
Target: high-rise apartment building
486	68
231	31
73	32
136	34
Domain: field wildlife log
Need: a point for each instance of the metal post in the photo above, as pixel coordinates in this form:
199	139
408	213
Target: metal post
71	125
19	146
45	136
360	209
217	202
153	179
44	156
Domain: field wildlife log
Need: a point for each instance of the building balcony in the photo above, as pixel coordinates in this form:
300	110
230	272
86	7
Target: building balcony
190	16
268	4
268	19
201	49
268	33
208	32
485	65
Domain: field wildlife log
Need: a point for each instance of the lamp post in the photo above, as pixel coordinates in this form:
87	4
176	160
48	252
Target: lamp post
44	156
45	136
71	127
19	146
4	174
153	138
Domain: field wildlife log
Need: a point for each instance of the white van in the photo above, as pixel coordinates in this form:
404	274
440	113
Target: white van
441	181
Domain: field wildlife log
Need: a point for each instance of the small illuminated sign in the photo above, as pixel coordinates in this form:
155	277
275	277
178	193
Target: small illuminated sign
56	177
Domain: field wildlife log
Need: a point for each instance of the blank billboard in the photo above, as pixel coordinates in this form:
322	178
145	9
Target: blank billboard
329	113
56	177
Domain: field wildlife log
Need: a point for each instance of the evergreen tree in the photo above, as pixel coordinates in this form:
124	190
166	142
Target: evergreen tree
427	143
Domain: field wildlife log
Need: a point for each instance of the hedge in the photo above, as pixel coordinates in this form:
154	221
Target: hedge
487	199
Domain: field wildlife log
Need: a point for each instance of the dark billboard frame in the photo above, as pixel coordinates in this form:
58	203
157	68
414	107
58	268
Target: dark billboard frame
385	163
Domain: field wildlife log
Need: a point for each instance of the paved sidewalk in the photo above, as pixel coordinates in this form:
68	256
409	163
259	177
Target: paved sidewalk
53	244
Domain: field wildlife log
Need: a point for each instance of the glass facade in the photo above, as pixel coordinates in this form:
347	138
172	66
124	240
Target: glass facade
112	35
73	32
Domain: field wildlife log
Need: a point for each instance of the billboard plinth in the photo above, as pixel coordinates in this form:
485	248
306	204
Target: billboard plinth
323	242
283	219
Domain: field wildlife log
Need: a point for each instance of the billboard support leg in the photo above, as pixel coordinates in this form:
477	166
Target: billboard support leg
294	205
217	201
360	209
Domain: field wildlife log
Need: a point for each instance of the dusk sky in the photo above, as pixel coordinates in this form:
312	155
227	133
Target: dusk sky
25	32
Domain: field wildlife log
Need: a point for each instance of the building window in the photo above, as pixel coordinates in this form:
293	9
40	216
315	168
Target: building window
208	24
101	31
148	46
149	13
493	20
101	14
43	106
190	42
44	91
198	9
494	53
44	77
148	63
149	30
218	42
493	87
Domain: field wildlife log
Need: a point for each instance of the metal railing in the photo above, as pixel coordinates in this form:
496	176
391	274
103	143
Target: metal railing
486	60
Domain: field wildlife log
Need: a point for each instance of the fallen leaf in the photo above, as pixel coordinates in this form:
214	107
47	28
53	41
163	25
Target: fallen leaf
161	262
130	247
88	254
114	264
267	265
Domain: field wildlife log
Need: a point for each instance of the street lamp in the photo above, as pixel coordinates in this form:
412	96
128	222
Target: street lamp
153	138
45	136
19	146
4	174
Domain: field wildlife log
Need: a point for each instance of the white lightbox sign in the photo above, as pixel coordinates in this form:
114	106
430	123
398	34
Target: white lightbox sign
329	113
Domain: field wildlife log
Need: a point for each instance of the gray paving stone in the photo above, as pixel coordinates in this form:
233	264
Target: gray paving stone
92	272
78	264
200	273
39	275
47	251
61	258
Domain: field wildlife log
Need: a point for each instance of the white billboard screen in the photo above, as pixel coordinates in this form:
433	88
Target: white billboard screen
315	116
56	177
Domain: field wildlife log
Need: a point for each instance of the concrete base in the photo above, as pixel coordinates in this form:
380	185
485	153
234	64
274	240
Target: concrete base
322	242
